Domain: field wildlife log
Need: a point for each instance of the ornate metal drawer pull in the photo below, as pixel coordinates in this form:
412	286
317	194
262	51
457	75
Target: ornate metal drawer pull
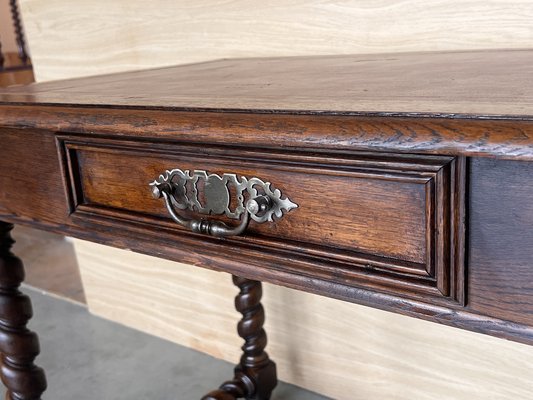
256	200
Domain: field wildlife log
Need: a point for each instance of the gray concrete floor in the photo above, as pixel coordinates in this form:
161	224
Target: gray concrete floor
88	358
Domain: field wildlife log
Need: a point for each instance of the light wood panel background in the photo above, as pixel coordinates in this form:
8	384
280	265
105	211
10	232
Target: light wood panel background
338	349
88	37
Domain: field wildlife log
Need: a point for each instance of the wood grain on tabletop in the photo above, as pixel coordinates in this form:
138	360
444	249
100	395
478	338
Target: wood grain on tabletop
477	83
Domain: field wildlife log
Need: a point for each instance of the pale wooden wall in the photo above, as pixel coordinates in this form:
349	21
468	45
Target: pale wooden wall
94	36
339	349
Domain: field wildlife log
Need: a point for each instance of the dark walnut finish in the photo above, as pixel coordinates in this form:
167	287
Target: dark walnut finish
255	376
392	224
412	174
491	83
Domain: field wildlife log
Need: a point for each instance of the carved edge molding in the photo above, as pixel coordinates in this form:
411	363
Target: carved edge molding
443	278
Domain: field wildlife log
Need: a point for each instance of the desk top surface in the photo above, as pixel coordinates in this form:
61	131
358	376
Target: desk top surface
478	84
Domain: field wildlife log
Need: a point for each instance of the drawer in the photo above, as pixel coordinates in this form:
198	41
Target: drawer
386	222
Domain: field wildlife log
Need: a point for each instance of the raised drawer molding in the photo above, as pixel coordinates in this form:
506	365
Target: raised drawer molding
390	222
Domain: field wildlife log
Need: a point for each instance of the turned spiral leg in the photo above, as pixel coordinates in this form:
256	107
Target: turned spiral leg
255	375
18	345
21	43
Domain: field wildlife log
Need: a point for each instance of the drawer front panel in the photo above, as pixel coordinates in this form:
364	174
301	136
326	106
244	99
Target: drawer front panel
382	221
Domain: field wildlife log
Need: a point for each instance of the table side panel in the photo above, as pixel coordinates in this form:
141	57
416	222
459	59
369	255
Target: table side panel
31	184
501	239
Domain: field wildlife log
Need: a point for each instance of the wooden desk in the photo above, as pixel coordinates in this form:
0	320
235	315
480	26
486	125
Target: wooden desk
402	182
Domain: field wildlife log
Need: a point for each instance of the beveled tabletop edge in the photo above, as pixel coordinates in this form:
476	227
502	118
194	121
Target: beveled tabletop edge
483	137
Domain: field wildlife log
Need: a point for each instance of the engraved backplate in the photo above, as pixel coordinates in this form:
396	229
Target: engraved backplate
212	194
